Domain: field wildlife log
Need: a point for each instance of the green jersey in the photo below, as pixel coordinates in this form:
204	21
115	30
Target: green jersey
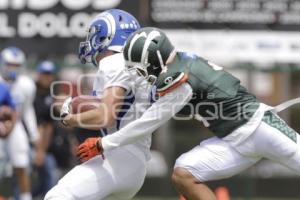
218	96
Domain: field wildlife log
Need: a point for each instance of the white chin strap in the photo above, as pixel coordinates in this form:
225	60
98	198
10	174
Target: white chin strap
152	79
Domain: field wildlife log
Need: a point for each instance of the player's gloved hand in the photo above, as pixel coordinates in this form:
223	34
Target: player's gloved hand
65	110
90	148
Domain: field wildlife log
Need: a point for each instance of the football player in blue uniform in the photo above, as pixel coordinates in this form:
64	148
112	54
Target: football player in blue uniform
123	99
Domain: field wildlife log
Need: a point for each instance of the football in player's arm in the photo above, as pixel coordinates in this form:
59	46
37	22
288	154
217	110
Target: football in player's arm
245	129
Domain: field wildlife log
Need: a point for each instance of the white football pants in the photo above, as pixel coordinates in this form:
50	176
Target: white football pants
17	146
119	176
216	159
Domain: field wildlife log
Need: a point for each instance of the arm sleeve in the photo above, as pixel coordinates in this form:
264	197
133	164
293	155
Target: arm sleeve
115	74
158	114
29	116
111	78
119	78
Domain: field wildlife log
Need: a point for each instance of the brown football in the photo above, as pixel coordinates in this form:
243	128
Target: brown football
84	103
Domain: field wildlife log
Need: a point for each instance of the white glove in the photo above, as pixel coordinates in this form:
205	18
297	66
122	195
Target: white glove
66	109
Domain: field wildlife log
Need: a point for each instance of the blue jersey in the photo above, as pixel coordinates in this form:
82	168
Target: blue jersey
5	97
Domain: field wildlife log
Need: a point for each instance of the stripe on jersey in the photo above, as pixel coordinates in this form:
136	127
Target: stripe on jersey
175	84
153	95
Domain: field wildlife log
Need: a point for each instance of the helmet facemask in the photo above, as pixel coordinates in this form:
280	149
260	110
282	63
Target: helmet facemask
141	70
11	71
93	45
12	63
147	70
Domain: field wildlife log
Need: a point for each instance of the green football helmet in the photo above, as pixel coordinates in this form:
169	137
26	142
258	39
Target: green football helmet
147	51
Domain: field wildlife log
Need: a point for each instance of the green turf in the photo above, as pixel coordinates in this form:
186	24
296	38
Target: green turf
161	198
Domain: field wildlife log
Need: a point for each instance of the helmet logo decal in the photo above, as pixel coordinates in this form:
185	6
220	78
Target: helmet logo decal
150	37
129	25
164	68
168	80
134	39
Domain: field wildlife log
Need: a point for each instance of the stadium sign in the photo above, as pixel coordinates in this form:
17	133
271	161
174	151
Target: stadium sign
227	14
49	18
44	28
46	25
262	48
68	4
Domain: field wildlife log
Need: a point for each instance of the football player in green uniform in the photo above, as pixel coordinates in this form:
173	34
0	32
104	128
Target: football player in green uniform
245	129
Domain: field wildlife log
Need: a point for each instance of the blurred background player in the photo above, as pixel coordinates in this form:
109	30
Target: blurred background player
123	98
46	168
7	122
23	91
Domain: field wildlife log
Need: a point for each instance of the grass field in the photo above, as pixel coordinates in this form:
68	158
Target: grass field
160	198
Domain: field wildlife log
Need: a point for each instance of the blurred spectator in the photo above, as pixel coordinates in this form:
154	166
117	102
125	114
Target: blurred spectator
46	168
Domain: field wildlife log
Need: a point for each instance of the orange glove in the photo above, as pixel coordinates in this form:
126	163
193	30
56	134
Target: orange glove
90	148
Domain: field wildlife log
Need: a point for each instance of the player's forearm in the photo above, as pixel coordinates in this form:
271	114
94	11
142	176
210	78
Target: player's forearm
94	119
133	132
158	114
104	115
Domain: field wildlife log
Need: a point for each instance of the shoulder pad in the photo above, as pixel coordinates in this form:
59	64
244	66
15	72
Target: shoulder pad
169	83
112	64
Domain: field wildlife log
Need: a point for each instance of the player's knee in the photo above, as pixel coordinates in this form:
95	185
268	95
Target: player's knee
181	177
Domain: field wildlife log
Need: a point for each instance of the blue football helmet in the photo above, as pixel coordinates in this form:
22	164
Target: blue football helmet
12	56
108	31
